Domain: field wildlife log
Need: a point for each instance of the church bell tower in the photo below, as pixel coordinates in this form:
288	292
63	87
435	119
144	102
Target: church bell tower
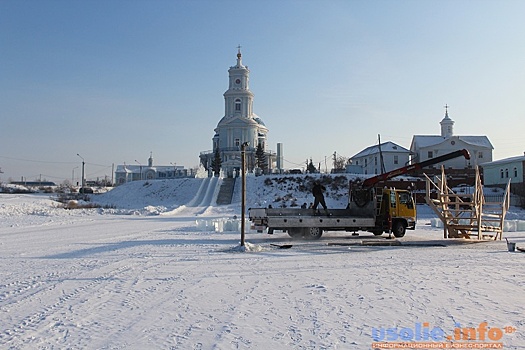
238	99
238	125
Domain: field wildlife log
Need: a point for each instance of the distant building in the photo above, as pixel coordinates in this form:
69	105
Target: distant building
34	183
239	125
425	147
126	173
499	172
369	160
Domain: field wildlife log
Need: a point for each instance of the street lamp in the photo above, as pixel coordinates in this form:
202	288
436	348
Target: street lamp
140	168
83	164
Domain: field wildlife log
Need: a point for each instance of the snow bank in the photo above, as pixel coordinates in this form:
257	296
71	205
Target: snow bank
161	194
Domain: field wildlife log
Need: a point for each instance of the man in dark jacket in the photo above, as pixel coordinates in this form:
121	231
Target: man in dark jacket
317	191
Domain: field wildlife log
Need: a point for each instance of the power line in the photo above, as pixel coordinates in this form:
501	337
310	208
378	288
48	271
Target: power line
36	177
52	162
37	161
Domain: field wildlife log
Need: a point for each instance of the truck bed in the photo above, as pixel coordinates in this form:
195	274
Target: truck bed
337	219
311	212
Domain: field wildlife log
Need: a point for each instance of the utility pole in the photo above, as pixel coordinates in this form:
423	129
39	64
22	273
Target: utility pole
381	155
73	175
243	203
82	181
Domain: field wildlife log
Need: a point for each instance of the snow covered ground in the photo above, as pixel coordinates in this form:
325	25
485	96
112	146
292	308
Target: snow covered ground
143	275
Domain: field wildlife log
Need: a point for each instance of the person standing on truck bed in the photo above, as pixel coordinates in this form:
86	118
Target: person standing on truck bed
317	191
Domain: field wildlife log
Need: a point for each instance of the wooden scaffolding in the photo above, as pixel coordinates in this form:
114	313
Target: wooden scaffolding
466	214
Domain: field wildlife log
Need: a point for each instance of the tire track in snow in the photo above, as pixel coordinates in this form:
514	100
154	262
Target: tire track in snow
18	332
15	288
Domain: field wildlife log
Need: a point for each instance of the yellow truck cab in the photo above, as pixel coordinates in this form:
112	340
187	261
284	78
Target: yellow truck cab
397	212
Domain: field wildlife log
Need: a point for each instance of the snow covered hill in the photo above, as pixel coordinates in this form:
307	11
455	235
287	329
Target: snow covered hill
166	195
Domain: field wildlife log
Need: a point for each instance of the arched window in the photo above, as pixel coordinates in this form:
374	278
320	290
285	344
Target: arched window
238	105
515	172
150	175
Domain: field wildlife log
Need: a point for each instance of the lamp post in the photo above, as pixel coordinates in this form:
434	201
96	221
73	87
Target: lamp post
243	202
82	181
140	169
174	169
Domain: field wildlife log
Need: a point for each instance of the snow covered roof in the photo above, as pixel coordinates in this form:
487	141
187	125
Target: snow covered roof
385	147
505	161
137	168
482	141
423	141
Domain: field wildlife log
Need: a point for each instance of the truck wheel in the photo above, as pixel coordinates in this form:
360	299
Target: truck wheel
377	233
313	233
399	229
295	232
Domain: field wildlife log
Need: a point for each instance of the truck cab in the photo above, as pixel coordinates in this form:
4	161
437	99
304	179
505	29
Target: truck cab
396	212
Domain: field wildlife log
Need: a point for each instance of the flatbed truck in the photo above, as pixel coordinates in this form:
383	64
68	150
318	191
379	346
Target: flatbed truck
370	208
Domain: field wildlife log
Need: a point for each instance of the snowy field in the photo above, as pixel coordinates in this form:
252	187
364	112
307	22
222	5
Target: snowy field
142	275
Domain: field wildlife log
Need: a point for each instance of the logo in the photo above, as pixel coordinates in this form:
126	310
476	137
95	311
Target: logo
422	336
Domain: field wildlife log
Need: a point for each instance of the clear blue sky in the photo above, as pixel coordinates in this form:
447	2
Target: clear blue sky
115	80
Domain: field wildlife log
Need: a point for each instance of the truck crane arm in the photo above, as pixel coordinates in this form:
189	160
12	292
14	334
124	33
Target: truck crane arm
370	182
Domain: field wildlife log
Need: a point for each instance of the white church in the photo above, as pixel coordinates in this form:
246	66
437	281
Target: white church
238	126
425	147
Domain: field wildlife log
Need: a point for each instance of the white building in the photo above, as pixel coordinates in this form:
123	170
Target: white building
239	125
425	147
369	160
499	172
126	173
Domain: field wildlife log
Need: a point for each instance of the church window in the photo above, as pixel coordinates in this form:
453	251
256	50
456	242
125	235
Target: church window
515	172
375	162
237	105
506	173
480	154
501	173
430	154
237	142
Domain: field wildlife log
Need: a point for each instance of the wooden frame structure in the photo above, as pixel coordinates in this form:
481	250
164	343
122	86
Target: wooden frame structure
466	214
